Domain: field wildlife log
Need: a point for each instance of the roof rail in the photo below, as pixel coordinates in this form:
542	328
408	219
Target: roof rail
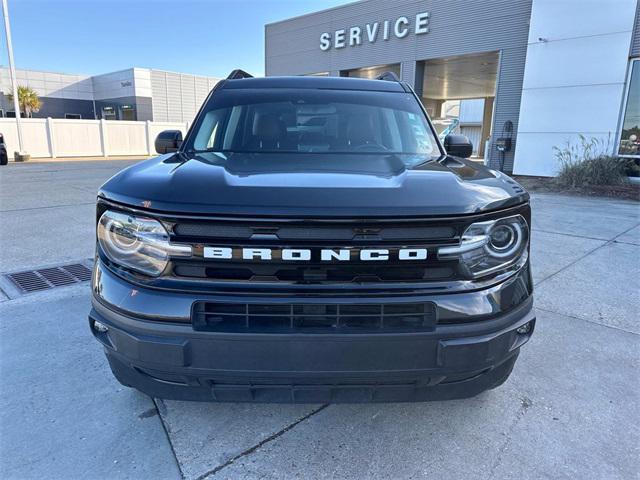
388	76
237	74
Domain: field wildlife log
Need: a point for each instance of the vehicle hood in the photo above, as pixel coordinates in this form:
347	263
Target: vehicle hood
313	185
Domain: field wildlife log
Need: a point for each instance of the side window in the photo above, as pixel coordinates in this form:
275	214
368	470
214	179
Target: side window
209	133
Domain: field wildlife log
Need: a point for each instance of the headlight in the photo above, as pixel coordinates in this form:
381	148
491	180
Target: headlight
489	247
138	243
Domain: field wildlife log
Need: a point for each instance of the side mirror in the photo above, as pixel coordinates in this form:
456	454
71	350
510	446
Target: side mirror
458	146
168	141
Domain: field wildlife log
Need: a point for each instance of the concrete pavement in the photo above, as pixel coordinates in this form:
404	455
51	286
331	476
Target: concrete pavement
570	409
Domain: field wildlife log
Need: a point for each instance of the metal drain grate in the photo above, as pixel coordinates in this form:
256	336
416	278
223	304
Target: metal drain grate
45	278
81	272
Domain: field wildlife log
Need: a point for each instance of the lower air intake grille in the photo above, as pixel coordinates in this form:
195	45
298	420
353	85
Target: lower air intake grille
308	318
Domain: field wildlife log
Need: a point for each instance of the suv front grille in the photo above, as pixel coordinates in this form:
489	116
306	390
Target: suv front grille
315	234
315	273
313	318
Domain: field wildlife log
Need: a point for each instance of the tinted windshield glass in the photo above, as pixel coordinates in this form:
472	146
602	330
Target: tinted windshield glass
313	121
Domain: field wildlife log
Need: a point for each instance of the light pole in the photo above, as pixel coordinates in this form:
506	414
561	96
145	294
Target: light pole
12	70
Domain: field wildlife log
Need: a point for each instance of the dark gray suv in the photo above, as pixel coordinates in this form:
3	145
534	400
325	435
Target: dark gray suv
311	240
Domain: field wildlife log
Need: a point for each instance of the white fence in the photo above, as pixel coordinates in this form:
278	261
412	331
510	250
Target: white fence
56	137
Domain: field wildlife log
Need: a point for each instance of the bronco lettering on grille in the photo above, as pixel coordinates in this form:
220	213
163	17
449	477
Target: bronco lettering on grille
320	254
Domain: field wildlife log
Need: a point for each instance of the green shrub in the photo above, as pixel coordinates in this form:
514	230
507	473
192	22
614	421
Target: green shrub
589	162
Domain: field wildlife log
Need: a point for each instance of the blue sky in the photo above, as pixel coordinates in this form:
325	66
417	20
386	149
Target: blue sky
97	36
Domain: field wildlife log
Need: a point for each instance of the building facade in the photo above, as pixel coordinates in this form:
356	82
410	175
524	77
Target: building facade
132	94
532	74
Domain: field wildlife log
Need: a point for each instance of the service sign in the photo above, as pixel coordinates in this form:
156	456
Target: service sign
372	32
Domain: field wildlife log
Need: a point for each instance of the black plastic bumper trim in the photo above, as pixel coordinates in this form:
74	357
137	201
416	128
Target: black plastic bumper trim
174	361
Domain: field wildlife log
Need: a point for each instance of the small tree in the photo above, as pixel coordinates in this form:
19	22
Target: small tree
28	100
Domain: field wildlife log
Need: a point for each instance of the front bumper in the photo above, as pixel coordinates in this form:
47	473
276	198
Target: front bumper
168	359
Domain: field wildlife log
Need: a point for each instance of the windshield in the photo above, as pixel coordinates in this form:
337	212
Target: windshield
313	121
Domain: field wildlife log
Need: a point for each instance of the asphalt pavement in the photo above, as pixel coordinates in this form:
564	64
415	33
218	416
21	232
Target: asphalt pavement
571	408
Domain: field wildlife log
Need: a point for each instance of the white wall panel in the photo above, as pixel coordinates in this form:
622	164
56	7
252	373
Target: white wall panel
188	97
49	84
34	135
37	85
177	97
34	132
554	19
142	82
581	109
577	61
202	90
574	77
536	154
114	85
77	138
126	138
82	138
159	95
10	132
174	97
35	75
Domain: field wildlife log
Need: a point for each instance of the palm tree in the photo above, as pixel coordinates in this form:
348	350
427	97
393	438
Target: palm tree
27	99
